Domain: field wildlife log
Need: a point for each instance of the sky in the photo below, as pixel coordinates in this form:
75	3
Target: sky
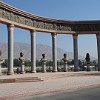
60	9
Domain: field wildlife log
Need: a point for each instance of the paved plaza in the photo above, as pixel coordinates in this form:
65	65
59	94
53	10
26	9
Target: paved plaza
52	82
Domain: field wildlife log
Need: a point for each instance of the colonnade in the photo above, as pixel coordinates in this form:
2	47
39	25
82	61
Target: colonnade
54	50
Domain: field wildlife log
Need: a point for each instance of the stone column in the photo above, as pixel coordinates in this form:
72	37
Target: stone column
75	52
33	51
0	70
98	50
10	49
1	61
54	52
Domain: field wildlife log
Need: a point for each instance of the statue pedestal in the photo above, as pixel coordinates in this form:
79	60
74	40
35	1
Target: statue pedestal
0	70
43	60
44	68
65	63
88	67
43	65
65	67
22	71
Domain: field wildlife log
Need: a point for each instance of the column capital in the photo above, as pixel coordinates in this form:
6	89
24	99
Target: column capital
33	32
75	35
53	35
10	25
98	35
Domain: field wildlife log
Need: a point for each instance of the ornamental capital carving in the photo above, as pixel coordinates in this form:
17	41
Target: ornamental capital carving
53	35
10	27
75	36
98	35
33	32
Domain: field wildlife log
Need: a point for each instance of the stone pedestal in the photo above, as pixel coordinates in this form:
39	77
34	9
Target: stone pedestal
65	67
0	70
22	71
88	67
43	67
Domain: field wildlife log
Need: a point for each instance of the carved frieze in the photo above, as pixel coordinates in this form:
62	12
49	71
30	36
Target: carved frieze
31	22
46	25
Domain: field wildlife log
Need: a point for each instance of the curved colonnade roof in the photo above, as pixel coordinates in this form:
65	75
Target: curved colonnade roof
22	19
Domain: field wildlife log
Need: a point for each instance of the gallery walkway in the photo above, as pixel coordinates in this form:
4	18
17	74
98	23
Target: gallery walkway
50	82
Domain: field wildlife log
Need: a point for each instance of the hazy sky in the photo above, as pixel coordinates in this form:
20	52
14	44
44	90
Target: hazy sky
60	9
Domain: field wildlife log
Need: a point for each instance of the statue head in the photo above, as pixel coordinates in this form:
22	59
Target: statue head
43	55
87	55
65	55
21	54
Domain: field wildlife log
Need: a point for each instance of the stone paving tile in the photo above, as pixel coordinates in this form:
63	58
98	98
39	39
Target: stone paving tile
26	88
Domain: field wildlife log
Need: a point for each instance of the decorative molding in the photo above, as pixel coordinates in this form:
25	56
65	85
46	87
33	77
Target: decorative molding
20	17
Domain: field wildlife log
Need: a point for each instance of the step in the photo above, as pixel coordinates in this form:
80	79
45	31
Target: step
24	79
28	79
7	81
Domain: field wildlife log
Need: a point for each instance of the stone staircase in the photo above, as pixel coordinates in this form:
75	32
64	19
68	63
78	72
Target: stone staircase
19	80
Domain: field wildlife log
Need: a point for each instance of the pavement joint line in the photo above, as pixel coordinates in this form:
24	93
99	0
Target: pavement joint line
48	91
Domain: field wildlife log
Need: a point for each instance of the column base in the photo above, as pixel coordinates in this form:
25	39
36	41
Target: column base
55	71
33	71
98	69
22	72
76	70
44	71
0	74
10	73
88	70
65	70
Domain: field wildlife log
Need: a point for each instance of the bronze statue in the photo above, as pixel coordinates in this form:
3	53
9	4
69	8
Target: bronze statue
87	58
65	62
43	60
22	60
88	61
43	56
65	57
